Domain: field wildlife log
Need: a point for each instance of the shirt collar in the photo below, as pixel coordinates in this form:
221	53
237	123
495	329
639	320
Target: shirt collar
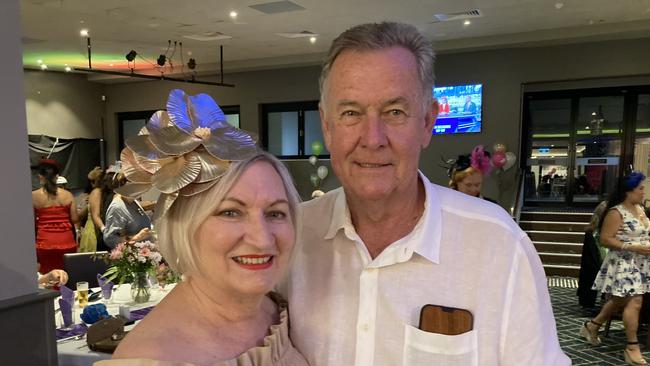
425	237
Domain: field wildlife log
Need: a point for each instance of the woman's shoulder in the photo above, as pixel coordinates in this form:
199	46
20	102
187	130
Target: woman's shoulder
149	339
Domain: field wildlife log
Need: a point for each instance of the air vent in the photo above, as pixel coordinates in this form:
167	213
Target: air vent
302	34
445	17
277	7
27	40
208	36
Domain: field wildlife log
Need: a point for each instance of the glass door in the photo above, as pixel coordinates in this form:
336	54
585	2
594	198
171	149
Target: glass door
548	156
598	136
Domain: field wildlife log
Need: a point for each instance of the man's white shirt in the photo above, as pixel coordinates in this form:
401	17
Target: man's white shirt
348	309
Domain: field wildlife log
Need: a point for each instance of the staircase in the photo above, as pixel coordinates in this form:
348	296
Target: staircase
558	238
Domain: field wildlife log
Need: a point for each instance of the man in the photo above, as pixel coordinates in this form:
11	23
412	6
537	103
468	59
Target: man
443	108
371	254
469	107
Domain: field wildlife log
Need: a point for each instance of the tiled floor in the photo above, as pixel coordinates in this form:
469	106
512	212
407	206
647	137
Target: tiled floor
569	316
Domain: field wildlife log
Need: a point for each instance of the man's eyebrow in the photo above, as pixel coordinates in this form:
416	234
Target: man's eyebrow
397	100
347	103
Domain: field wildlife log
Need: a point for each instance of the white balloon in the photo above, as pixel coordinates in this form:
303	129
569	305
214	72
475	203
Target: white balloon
322	172
313	159
511	159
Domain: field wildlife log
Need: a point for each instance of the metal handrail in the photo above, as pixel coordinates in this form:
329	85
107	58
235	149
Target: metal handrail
517	204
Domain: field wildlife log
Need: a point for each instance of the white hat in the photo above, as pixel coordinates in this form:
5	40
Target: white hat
61	180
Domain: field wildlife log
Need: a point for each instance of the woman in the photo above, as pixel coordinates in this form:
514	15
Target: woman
89	239
226	220
625	272
468	171
55	214
126	220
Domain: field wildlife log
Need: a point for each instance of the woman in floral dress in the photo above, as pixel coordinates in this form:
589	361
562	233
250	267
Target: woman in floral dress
625	272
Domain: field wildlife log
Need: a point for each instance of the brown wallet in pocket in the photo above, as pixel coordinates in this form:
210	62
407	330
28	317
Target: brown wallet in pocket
445	320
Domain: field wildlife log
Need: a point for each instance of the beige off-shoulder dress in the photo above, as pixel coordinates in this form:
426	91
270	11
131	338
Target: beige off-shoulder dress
276	351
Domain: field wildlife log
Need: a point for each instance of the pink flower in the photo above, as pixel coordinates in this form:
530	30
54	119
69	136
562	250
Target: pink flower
117	252
145	252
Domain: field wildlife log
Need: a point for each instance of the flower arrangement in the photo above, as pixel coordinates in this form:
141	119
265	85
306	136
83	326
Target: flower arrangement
130	258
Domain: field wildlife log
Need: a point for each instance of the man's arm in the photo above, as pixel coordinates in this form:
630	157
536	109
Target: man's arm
529	336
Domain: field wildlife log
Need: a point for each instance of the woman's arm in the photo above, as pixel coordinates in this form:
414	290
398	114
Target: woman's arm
94	204
613	221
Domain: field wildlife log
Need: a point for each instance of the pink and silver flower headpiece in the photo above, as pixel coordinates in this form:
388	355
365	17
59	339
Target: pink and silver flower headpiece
182	151
479	159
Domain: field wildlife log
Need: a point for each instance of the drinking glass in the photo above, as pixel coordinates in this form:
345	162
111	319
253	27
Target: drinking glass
82	293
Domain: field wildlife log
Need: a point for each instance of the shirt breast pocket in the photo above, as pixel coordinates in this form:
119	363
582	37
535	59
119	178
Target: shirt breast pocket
423	348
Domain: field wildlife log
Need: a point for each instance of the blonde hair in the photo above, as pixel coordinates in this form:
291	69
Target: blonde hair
176	230
459	175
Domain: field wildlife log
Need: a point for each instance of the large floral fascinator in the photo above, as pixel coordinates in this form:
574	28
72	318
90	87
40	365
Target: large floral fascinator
479	159
182	151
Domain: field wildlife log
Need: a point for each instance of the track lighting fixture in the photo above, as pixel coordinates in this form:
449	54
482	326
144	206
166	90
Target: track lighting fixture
161	60
191	64
131	55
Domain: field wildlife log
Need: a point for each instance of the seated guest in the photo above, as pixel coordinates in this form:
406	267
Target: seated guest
468	171
55	277
126	220
591	259
228	226
55	213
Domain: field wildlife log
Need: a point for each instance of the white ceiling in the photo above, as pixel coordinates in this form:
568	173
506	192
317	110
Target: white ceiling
51	28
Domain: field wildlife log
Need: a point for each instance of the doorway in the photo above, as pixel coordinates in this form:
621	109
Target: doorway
577	143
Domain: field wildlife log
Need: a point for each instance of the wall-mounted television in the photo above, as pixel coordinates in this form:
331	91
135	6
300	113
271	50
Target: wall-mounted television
460	109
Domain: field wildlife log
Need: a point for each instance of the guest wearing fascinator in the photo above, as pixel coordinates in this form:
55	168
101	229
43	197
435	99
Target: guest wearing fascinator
467	172
226	220
55	214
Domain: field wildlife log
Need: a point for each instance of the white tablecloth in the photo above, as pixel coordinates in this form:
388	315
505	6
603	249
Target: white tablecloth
76	352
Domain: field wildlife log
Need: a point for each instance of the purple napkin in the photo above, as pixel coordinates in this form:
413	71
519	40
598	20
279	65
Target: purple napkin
106	286
67	294
66	312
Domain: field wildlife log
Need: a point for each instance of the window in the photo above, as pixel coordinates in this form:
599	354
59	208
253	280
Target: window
289	129
130	123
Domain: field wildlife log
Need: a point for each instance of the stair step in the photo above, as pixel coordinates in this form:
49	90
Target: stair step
561	270
557	236
557	247
560	258
568	226
556	216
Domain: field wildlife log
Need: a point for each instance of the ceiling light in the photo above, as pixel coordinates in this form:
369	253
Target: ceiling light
39	61
68	69
189	53
591	21
312	40
43	67
559	5
467	22
111	65
131	55
233	14
586	128
83	32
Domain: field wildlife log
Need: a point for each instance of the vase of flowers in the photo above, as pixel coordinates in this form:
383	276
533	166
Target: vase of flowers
133	262
140	287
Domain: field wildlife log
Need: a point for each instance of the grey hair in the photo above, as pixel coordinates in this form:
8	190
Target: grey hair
378	36
176	230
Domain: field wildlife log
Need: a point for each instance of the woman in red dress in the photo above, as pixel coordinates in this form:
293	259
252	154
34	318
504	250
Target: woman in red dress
55	214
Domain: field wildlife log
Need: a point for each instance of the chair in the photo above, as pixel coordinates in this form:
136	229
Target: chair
82	267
